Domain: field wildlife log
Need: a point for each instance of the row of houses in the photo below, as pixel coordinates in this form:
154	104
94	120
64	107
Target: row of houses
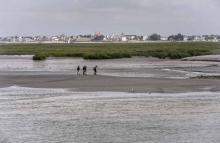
178	37
98	37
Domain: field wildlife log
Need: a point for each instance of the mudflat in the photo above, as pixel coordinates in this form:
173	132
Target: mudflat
108	83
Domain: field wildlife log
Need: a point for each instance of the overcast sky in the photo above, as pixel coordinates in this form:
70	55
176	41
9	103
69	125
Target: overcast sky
49	17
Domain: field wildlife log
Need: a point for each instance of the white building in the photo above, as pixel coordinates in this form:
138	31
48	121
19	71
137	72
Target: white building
20	39
124	39
55	38
145	38
164	38
28	39
185	38
215	39
197	38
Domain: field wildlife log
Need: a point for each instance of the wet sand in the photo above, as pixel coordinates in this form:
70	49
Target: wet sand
46	112
108	83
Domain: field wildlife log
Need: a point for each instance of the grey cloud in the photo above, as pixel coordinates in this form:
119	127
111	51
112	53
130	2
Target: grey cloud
47	17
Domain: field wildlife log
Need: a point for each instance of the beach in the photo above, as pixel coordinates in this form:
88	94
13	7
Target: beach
128	67
92	83
129	101
137	74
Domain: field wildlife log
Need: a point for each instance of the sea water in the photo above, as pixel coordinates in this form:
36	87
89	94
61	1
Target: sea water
33	115
133	67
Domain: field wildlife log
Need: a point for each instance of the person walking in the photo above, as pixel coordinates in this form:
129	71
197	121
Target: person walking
84	70
95	70
78	70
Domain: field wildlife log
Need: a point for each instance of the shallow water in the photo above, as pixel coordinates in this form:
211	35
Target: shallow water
31	115
134	67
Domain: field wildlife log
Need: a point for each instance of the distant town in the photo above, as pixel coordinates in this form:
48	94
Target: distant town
98	37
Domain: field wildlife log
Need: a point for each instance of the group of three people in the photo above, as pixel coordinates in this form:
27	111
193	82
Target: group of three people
85	70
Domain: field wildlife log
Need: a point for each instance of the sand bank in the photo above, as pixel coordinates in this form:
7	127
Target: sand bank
108	83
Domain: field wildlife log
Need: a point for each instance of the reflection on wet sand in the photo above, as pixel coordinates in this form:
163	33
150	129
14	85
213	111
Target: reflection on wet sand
134	67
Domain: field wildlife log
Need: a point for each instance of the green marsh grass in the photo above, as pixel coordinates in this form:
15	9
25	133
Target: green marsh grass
171	50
